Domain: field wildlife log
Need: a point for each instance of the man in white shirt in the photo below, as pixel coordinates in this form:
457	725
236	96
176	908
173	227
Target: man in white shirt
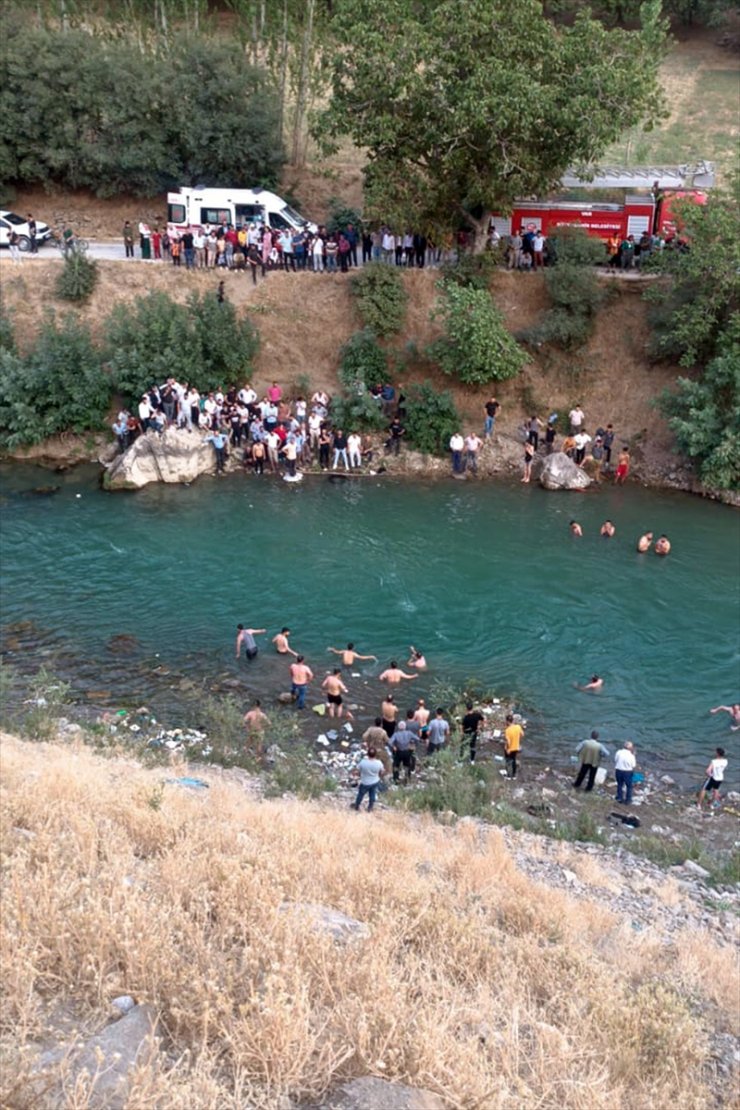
457	444
354	449
715	777
538	246
582	439
624	769
472	447
314	430
247	395
371	772
576	417
145	412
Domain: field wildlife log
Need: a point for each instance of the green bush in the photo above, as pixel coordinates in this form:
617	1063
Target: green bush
358	411
78	277
380	298
574	246
471	270
59	386
340	215
704	415
477	348
362	362
431	418
7	335
202	342
464	789
576	296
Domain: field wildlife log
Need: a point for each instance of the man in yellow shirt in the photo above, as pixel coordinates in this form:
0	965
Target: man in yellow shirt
512	744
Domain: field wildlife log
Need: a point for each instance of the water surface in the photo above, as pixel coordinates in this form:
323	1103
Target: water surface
484	577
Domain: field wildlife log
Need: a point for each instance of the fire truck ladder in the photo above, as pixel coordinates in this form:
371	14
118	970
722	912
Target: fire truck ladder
696	175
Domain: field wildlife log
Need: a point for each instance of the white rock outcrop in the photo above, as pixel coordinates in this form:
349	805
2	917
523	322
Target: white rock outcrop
175	456
560	472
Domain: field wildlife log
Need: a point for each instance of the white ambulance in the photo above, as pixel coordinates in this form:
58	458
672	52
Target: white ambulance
200	206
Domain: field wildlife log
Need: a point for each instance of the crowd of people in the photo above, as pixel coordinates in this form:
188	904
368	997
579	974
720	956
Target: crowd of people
576	443
257	247
397	739
274	433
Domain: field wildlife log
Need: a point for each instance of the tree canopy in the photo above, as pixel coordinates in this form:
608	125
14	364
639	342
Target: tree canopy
465	105
98	112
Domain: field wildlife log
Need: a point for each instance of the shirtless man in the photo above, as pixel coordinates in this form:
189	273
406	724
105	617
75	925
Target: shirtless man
733	710
607	529
595	684
389	712
394	674
349	655
662	546
282	647
623	467
255	722
334	689
575	528
417	659
245	637
300	676
643	544
422	715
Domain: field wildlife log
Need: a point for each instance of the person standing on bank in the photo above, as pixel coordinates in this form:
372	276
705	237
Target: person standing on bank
590	751
371	772
715	777
624	770
471	723
513	734
245	638
491	407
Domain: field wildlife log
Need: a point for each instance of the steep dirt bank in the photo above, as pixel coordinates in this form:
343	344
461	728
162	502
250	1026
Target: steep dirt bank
268	962
304	319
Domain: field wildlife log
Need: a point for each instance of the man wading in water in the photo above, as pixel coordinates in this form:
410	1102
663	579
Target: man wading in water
245	637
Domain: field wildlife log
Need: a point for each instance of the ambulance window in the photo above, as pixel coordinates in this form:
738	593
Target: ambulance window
215	215
176	213
249	213
276	220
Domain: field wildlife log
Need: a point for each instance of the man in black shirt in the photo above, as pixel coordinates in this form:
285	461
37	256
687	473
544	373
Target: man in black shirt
471	722
492	406
397	431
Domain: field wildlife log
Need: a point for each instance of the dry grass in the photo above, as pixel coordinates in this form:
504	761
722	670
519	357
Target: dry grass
478	983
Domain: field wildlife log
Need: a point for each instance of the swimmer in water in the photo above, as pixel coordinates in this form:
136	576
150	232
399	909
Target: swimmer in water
245	638
417	659
575	528
349	655
282	647
643	544
394	675
607	529
596	683
733	710
663	546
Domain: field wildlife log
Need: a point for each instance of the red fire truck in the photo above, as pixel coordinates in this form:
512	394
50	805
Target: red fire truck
649	210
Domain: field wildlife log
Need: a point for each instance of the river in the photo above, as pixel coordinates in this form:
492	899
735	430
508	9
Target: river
485	577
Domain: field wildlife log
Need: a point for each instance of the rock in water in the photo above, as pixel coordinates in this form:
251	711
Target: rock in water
560	472
174	456
370	1093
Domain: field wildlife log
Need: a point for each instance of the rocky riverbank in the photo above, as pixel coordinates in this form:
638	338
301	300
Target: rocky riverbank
180	457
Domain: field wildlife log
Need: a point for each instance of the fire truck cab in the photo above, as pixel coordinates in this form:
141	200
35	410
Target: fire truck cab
650	210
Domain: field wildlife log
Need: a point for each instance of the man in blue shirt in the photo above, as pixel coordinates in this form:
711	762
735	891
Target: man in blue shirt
218	439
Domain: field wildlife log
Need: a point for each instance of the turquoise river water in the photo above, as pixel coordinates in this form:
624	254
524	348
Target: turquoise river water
484	577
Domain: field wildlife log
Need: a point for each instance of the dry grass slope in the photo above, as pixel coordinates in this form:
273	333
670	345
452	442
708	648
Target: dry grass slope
478	983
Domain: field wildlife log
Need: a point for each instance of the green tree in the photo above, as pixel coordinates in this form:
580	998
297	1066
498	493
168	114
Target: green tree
464	105
362	362
78	276
476	347
380	298
704	414
431	419
59	386
701	290
202	343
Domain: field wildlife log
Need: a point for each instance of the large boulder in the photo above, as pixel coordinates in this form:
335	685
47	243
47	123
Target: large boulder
560	472
174	456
